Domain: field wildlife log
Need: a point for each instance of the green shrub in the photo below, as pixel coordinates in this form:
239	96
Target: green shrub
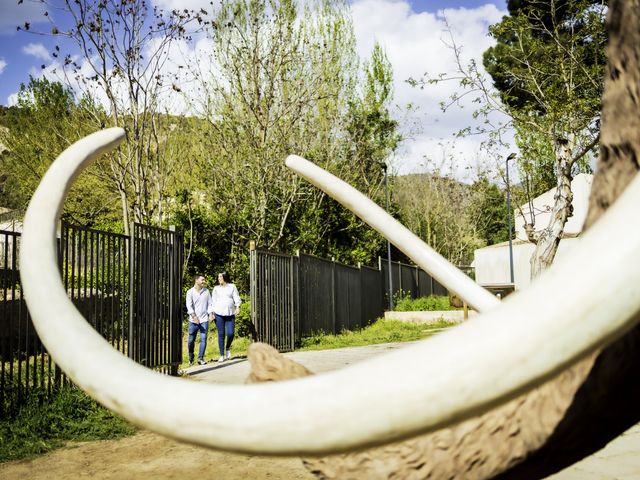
66	415
423	304
244	327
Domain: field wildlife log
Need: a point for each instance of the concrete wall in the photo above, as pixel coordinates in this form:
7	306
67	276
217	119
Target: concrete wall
492	263
581	188
454	316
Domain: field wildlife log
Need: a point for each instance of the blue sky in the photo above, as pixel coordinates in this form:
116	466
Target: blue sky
22	53
411	31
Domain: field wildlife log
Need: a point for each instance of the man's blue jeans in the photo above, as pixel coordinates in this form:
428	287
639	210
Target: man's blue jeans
193	329
225	324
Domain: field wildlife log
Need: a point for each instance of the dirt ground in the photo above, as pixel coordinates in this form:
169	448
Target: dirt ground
147	456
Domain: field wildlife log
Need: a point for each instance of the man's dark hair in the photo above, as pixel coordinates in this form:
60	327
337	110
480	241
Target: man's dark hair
197	276
225	277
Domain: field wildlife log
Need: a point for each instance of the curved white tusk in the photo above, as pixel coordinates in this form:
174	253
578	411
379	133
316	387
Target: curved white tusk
421	253
576	307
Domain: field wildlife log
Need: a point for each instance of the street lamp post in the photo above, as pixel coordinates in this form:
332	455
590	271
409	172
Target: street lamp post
386	192
510	157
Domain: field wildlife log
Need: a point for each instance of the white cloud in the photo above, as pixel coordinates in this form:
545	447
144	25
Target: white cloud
169	5
37	50
12	99
3	65
415	44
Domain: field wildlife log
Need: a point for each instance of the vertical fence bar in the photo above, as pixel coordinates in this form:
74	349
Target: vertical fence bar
19	342
132	266
4	346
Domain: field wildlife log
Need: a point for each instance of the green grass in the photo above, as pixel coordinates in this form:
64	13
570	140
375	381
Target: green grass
67	415
423	304
382	331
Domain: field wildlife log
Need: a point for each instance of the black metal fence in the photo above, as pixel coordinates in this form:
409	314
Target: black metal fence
95	272
409	280
129	291
24	364
295	296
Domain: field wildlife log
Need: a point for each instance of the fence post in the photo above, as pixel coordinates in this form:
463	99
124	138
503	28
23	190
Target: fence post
132	256
361	289
174	334
253	286
291	304
333	294
297	292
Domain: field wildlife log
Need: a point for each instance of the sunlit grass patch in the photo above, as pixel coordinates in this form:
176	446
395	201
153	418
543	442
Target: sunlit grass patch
381	331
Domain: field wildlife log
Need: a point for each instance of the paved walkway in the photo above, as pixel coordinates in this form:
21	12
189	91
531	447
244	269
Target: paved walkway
619	460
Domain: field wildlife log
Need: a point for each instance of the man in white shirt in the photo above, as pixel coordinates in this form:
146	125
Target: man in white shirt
198	303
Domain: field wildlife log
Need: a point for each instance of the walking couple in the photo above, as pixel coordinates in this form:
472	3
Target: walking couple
223	304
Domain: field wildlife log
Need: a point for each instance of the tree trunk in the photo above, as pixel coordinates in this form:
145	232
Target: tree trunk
124	204
619	160
547	240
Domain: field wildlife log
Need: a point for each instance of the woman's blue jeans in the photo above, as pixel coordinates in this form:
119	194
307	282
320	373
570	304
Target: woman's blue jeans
193	329
225	325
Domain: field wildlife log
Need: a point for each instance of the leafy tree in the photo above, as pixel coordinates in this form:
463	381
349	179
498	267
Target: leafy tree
284	78
548	67
438	209
489	209
125	47
285	81
45	121
372	134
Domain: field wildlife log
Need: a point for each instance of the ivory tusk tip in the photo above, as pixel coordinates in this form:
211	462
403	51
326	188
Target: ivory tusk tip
112	134
293	161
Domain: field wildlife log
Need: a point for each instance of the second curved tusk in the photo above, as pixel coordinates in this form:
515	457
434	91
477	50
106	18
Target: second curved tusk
421	253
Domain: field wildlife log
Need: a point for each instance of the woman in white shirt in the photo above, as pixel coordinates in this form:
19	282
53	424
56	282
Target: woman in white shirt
225	305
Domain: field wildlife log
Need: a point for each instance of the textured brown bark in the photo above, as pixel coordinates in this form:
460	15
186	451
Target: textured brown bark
548	239
620	135
580	410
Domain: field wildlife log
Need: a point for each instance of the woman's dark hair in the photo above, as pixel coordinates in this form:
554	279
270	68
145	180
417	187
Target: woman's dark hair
225	277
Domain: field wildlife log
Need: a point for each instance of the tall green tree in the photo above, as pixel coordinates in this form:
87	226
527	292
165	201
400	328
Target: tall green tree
548	66
370	140
443	212
44	122
489	211
285	81
124	49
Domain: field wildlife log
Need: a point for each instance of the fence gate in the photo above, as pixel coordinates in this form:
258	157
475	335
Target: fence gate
155	322
273	301
295	296
129	291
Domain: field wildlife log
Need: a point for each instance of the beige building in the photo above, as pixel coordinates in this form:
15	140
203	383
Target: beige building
492	263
